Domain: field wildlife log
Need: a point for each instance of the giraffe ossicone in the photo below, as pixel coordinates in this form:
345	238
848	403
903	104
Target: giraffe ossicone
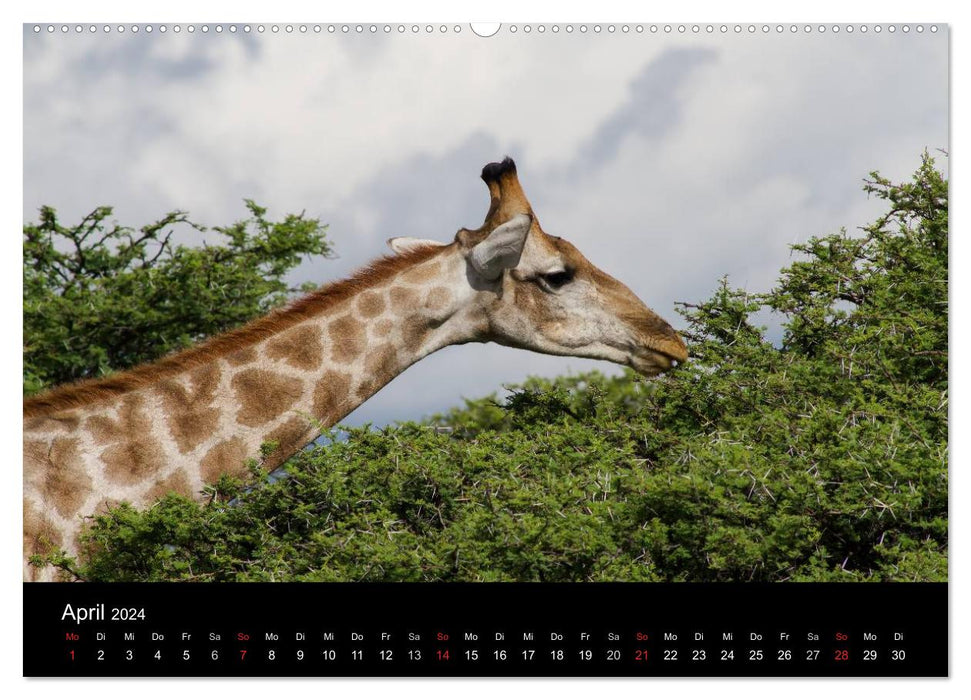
180	423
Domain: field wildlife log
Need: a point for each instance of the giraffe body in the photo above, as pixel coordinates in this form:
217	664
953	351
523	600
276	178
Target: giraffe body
179	424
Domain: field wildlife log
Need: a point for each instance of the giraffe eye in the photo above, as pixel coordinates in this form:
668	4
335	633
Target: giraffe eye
555	280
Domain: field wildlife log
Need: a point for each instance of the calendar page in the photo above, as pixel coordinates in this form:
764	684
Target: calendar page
544	349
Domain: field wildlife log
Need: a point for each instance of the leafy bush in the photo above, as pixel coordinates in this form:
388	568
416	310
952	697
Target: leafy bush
821	458
99	297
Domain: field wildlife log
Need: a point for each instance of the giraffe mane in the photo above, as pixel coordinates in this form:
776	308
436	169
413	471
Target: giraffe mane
86	391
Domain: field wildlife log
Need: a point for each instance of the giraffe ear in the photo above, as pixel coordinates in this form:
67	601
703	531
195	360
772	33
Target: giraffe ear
404	244
502	248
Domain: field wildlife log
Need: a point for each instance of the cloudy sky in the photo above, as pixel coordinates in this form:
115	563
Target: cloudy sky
670	160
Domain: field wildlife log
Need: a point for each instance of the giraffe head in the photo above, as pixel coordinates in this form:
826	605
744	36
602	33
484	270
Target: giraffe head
538	292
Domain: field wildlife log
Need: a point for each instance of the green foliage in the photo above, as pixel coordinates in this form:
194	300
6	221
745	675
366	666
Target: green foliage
100	297
821	458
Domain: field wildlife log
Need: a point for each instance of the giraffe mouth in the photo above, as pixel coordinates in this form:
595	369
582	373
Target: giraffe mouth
650	362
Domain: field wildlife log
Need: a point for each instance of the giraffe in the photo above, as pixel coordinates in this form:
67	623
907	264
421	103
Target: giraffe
179	423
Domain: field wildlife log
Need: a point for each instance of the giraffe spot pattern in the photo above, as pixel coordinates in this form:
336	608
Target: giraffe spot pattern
347	338
228	457
382	362
263	395
330	396
289	438
173	483
380	368
132	453
59	422
245	356
370	304
365	389
41	536
403	300
132	461
189	412
300	347
57	472
414	330
437	299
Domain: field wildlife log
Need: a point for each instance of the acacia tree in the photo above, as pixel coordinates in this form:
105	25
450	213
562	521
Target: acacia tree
99	296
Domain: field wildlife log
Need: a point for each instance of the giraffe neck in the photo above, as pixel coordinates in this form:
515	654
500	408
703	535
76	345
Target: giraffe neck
176	428
289	388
